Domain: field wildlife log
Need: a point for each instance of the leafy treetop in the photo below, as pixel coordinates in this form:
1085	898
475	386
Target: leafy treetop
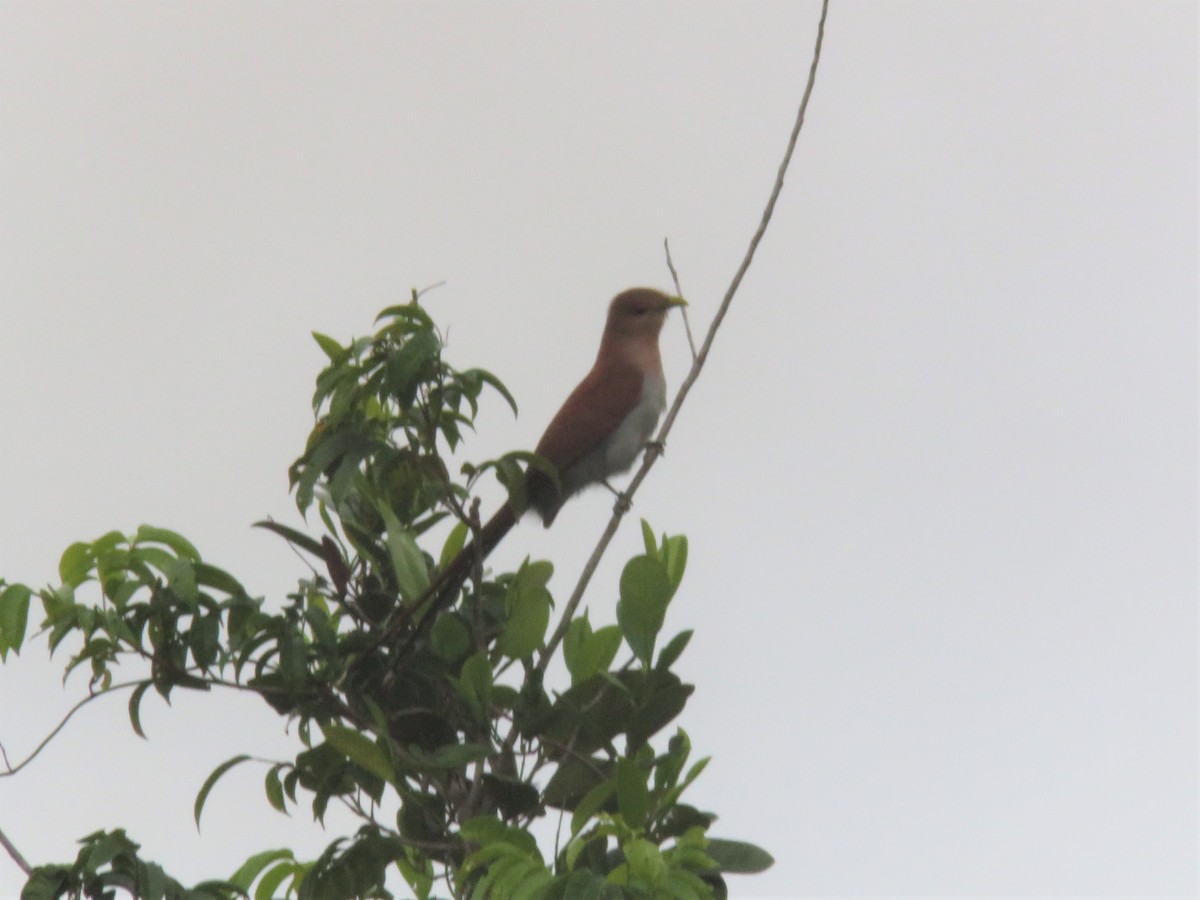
433	726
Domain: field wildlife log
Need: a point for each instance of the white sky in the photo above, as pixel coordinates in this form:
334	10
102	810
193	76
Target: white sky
939	477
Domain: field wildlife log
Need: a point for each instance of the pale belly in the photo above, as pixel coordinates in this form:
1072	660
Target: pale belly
620	449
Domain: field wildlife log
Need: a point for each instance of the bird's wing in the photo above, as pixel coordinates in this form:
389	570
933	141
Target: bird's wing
593	411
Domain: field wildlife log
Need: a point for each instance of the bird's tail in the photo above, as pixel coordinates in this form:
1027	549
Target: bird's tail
445	586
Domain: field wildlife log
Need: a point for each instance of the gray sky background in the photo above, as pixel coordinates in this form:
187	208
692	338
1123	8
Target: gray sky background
939	476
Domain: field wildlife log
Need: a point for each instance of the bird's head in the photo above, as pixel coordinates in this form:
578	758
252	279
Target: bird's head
638	314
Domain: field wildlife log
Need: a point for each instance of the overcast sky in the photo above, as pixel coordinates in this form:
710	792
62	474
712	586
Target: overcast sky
939	476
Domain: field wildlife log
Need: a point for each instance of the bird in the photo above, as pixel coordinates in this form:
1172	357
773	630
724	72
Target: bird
598	432
608	419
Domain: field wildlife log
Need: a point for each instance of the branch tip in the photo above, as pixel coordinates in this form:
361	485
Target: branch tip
593	562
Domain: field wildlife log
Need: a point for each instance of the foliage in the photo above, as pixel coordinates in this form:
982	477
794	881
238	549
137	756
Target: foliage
109	862
432	725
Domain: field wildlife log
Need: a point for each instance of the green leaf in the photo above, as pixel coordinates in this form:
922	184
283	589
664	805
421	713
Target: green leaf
360	749
574	778
338	381
108	541
593	801
681	819
152	881
47	883
587	652
324	452
329	346
674	555
601	648
495	383
474	683
528	605
695	770
645	861
217	579
688	852
14	617
450	637
254	866
499	849
532	882
182	579
645	590
684	885
499	859
483	830
272	879
738	856
274	788
677	812
668	767
406	366
211	781
648	539
673	650
155	557
584	884
365	546
662	700
419	879
412	578
455	541
578	631
75	564
148	534
293	537
589	715
135	705
633	794
101	848
407	312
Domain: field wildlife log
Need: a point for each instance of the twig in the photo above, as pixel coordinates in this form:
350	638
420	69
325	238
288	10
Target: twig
13	770
687	322
15	853
655	449
343	709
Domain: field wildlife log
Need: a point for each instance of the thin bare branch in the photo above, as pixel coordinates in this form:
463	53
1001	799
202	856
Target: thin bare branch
15	853
655	449
13	770
687	321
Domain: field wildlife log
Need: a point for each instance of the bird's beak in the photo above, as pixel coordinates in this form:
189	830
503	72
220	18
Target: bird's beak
676	301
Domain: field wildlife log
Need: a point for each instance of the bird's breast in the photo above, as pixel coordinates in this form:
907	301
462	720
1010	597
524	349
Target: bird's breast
630	437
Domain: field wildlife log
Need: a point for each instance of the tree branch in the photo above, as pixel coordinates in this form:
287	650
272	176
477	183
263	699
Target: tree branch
13	770
655	449
15	853
687	322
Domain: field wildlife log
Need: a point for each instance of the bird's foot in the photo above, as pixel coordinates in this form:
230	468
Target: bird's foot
659	448
623	504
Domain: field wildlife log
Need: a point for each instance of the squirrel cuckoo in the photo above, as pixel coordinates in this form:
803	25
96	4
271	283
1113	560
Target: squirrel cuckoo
599	431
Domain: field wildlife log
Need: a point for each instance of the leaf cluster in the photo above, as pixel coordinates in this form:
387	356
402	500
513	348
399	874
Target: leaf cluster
108	863
432	725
